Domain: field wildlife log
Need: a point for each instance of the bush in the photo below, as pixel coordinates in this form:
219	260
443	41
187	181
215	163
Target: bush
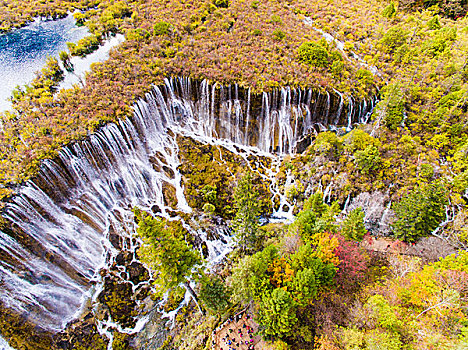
393	39
365	77
256	32
328	144
389	11
84	46
368	160
278	34
161	28
434	23
221	3
314	54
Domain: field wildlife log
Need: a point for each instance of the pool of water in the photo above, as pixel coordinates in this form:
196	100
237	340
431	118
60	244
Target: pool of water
25	51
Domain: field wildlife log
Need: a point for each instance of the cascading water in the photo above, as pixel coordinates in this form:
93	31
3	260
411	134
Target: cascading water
58	224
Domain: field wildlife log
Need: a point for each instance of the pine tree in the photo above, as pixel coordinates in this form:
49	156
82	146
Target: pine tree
420	212
166	252
353	226
245	223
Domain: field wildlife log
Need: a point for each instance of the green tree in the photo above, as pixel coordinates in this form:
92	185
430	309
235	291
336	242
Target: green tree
221	3
305	286
245	223
65	58
420	211
249	277
393	39
213	294
368	160
166	252
314	54
316	217
328	144
277	313
434	23
280	285
353	226
306	259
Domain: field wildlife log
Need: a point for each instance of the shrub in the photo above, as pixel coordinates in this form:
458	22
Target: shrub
84	46
275	19
434	23
314	54
221	3
328	144
368	160
365	77
256	32
278	34
393	39
389	11
161	28
427	171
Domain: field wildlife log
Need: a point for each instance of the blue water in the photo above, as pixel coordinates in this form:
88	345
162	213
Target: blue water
25	51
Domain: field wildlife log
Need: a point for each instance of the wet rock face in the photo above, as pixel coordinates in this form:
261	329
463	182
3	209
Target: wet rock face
378	215
123	299
274	122
81	333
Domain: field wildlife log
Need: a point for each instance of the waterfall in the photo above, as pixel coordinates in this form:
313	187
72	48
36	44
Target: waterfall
57	237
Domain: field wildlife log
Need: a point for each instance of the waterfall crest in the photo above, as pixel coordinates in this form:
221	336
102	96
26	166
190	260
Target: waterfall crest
57	237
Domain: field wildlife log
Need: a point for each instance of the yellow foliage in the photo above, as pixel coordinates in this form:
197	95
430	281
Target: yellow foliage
282	273
326	245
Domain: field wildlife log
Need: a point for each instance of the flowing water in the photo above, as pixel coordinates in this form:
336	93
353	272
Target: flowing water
61	222
24	51
81	65
340	46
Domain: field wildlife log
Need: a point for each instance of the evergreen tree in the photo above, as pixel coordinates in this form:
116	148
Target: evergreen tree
166	252
277	313
353	226
245	223
389	11
316	217
213	294
420	212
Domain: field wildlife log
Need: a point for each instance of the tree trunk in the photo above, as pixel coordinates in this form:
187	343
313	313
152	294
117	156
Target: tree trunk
194	296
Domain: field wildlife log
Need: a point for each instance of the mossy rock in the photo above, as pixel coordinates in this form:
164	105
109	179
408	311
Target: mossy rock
118	297
21	333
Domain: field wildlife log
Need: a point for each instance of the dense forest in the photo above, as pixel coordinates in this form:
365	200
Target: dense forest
375	256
